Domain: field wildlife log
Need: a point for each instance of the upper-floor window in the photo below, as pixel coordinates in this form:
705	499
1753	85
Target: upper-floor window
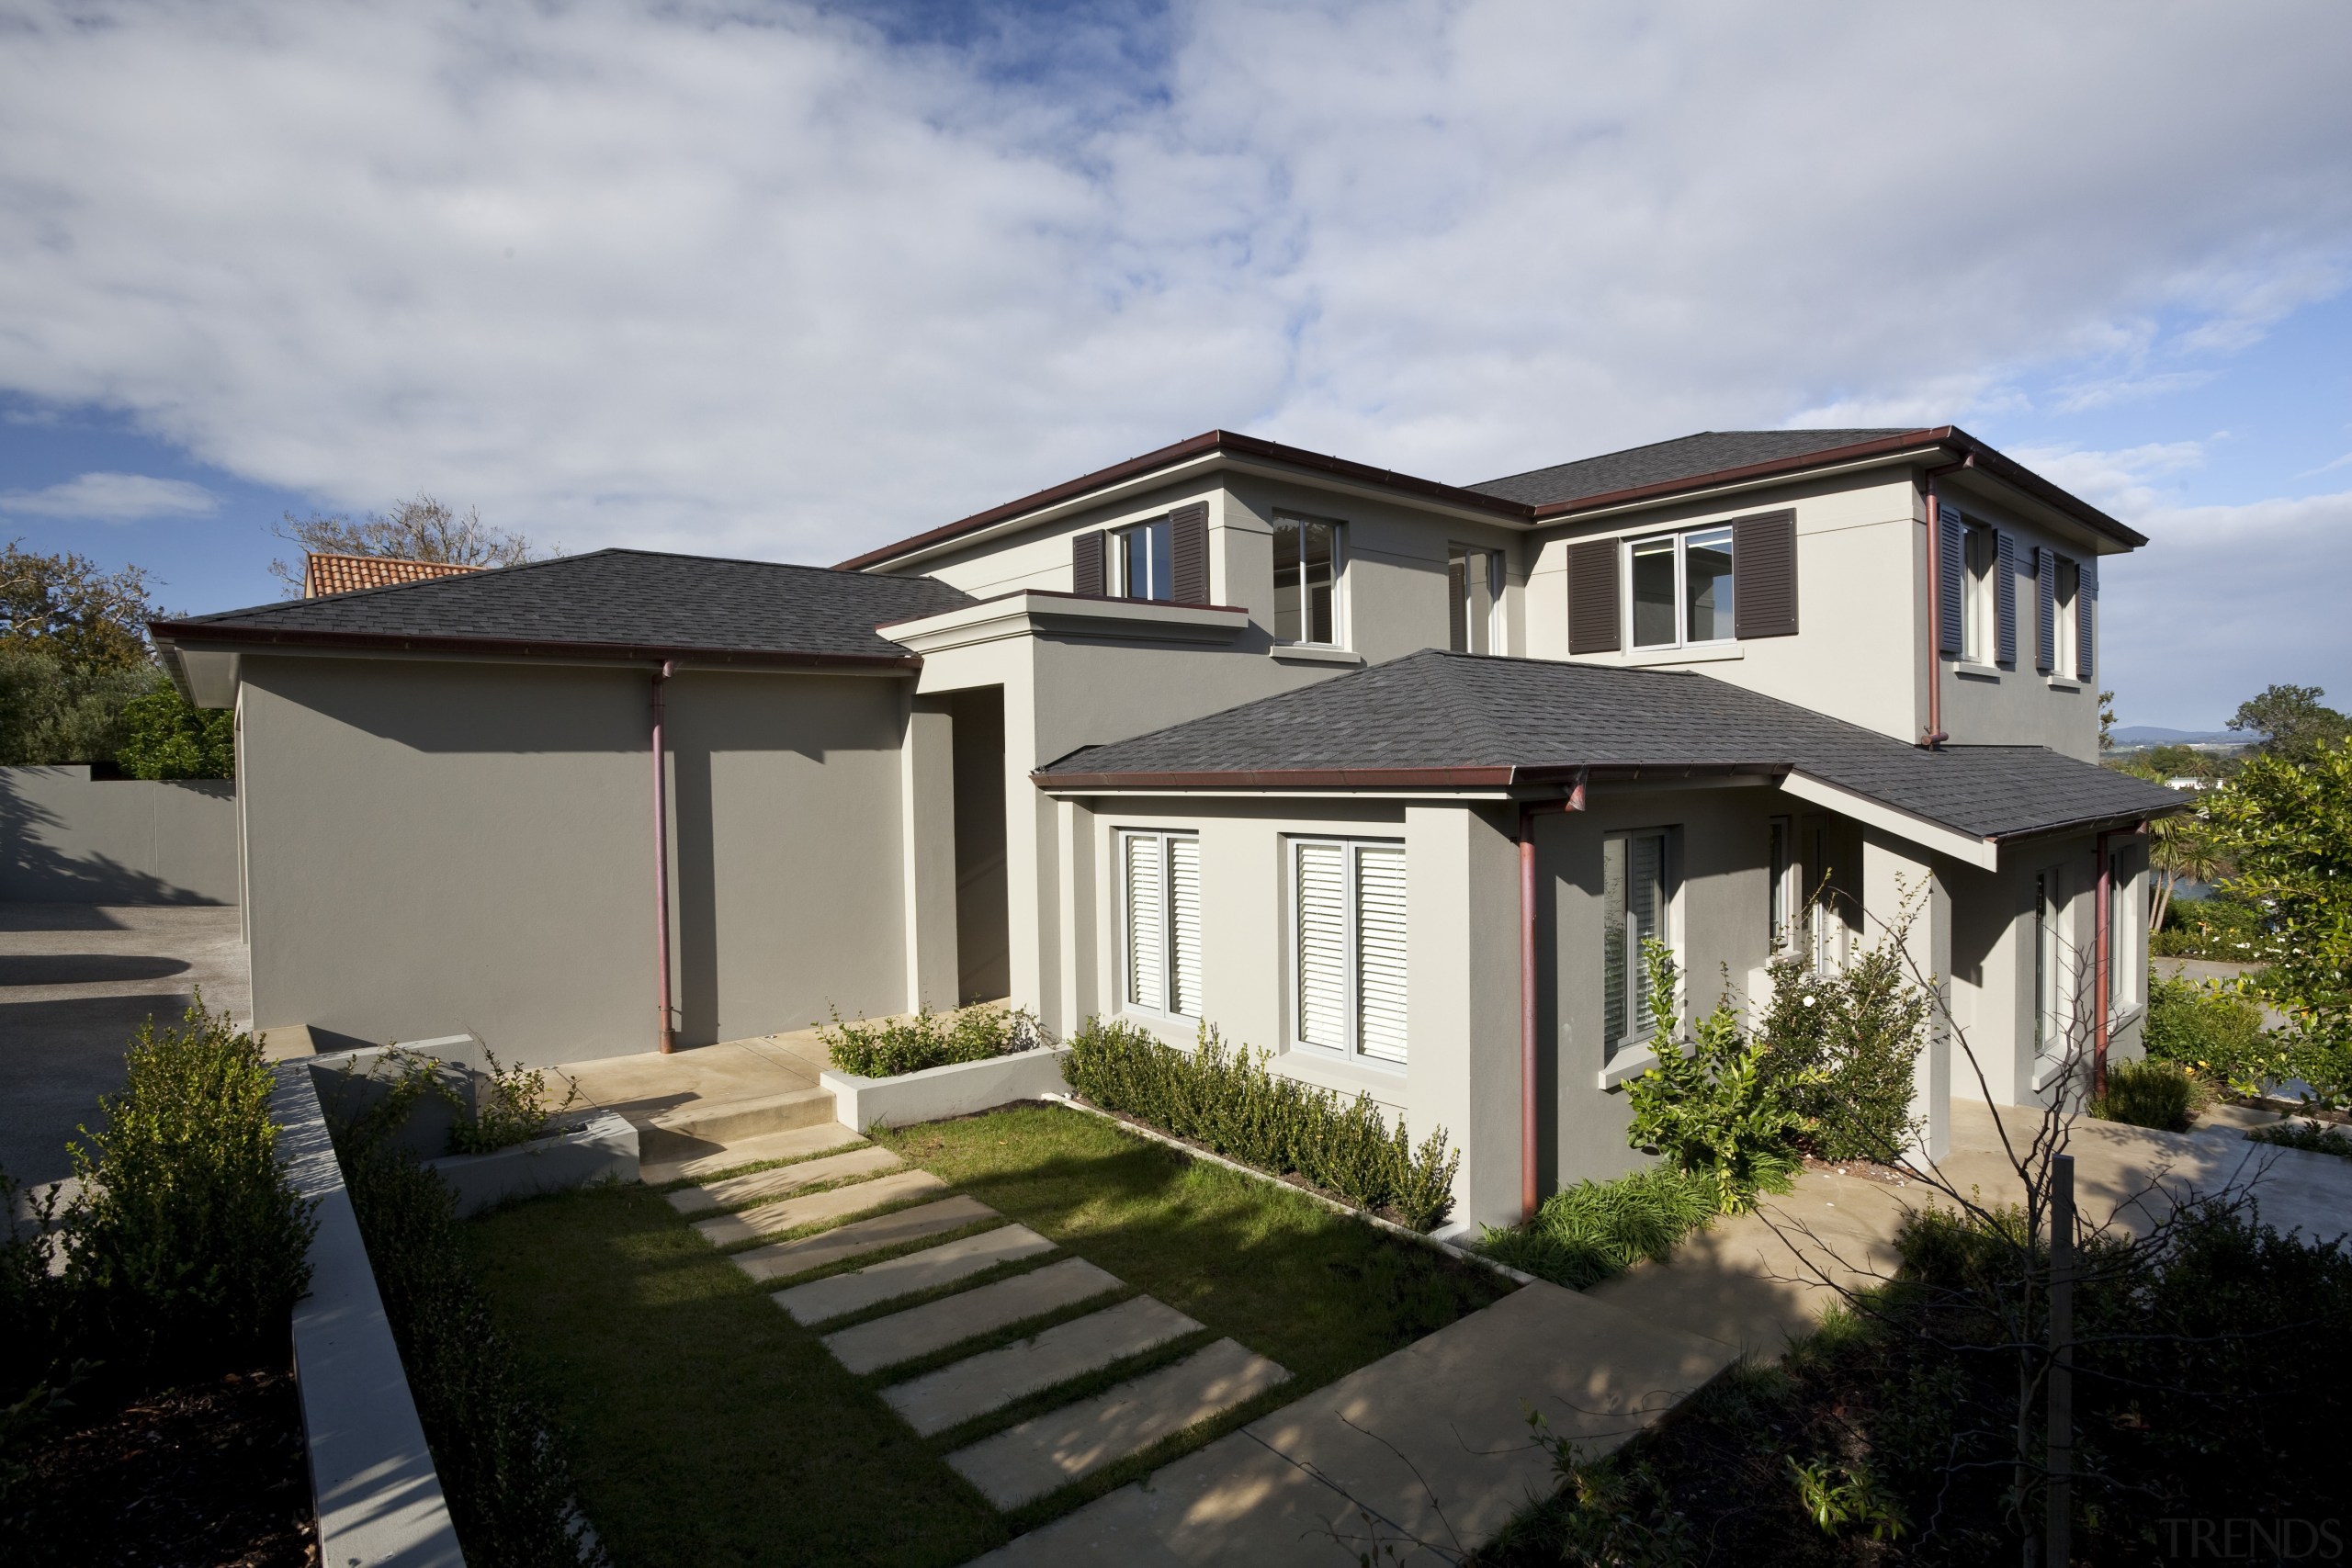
1348	957
1159	900
1309	556
1142	563
2065	603
1474	583
1682	588
1980	552
1632	911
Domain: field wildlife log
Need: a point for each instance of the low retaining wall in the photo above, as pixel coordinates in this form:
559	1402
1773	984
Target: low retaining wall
66	837
957	1090
379	1498
604	1149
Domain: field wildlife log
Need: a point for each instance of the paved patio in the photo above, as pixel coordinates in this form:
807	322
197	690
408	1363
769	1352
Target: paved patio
76	980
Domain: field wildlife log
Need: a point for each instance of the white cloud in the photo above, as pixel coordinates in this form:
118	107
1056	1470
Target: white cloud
2122	482
112	498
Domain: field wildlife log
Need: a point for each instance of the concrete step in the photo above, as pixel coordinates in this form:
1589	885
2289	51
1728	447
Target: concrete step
994	1379
840	1294
797	1143
934	1326
781	1260
767	1186
839	1203
702	1127
1047	1452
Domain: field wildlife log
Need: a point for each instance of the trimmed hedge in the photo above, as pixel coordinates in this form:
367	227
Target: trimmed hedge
1226	1097
2148	1094
885	1050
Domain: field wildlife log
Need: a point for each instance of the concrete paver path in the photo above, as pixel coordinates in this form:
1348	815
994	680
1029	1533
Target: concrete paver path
934	1326
798	1142
781	1260
994	1379
834	1203
838	1295
766	1186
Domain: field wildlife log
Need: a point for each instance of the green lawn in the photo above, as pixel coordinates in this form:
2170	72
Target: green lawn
707	1427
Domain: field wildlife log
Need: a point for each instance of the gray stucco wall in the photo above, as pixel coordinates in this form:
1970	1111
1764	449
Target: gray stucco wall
66	837
436	847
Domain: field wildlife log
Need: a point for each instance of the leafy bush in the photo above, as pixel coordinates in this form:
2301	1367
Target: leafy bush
510	1491
886	1049
2212	1029
2219	927
1724	1110
2148	1094
509	1107
1842	1047
2310	1136
191	1245
1226	1097
1598	1229
167	736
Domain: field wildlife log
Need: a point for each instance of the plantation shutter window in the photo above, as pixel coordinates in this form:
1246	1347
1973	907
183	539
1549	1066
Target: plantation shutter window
1160	900
1348	955
1634	903
1950	543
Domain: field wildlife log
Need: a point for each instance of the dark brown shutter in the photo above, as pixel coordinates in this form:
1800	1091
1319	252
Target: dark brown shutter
1593	613
1086	564
1764	575
1188	550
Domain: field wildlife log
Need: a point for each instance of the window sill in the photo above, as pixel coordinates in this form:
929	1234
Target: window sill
1699	653
2065	683
1975	671
2047	1071
1309	653
1629	1063
1326	1068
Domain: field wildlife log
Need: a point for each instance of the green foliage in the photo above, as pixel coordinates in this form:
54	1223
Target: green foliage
1835	1496
1596	1230
192	1245
167	736
888	1048
1841	1048
1226	1097
509	1107
2212	1028
2312	1137
2219	927
1725	1109
2293	722
2148	1094
52	714
510	1491
65	606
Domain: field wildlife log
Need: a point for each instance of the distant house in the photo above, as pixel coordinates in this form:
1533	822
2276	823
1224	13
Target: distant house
323	573
1392	778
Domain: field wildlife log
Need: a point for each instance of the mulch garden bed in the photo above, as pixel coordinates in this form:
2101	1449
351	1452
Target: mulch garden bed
209	1475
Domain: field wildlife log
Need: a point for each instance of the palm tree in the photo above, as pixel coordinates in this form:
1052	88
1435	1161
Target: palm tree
2185	850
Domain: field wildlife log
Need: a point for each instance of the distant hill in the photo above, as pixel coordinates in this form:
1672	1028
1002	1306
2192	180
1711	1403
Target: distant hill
2155	735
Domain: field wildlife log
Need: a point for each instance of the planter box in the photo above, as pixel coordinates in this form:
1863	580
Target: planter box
603	1149
957	1090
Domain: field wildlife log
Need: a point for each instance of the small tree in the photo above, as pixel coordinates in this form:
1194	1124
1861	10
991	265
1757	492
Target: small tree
1723	1108
167	736
2291	721
419	529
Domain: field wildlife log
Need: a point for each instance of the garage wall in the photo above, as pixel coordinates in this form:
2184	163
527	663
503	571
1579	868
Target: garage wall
66	837
441	846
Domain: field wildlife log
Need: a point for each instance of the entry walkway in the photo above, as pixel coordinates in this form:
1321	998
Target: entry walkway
1430	1445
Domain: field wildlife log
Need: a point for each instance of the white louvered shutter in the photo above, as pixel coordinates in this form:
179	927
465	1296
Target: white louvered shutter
1184	927
1323	945
1147	986
1380	942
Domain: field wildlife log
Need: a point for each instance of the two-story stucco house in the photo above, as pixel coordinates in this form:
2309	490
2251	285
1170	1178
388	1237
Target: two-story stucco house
1387	776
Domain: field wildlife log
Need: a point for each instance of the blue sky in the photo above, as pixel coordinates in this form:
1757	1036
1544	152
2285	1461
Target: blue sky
787	280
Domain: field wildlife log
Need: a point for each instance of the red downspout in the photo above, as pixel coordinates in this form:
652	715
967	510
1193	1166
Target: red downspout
1936	735
2106	967
665	1038
1527	1119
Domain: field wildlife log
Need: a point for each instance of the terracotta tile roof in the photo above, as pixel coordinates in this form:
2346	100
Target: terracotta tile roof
324	574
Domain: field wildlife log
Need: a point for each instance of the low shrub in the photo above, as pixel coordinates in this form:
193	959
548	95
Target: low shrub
1725	1109
2148	1094
1843	1047
2307	1135
2212	1029
512	1108
887	1048
509	1488
509	1106
1226	1097
1598	1229
2219	927
191	1245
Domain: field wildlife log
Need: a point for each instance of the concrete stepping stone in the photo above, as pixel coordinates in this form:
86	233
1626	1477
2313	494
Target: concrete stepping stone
765	1186
771	1219
797	1144
782	1260
837	1295
993	1379
1022	1463
934	1326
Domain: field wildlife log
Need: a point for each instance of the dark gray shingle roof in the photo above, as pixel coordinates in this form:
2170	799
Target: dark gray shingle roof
607	599
1664	462
1433	711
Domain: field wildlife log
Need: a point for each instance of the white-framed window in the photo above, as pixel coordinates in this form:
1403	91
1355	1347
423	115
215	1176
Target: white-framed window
1681	588
1633	904
1348	955
1160	923
1143	561
2119	904
2066	657
1782	897
1980	552
2049	962
1474	580
1310	557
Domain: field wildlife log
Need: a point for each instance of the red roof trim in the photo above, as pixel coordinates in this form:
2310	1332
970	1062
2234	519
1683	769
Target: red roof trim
215	634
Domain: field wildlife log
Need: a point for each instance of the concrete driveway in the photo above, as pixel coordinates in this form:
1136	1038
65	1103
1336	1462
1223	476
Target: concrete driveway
76	980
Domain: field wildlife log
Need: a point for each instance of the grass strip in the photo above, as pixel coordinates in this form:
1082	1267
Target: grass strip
704	1427
1071	1391
914	1366
882	1255
1136	1465
913	1299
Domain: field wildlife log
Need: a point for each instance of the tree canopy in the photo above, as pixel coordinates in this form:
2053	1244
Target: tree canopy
2292	721
421	528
